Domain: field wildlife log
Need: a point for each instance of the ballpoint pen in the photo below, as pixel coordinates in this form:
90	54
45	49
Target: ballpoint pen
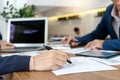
50	48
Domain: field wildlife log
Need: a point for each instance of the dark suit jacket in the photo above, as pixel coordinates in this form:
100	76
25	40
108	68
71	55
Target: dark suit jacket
0	37
14	63
103	29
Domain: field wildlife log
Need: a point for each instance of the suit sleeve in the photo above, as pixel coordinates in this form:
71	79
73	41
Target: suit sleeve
113	44
100	32
14	63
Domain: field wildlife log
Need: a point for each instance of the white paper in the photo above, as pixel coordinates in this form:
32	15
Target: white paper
82	64
111	61
76	50
60	46
56	38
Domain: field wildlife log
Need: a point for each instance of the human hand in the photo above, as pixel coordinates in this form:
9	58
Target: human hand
69	40
95	44
6	45
49	60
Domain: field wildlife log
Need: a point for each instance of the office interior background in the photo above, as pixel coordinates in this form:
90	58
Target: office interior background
64	15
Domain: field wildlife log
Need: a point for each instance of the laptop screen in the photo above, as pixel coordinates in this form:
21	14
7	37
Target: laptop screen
27	31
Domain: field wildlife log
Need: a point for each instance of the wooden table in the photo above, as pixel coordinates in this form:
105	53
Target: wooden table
48	75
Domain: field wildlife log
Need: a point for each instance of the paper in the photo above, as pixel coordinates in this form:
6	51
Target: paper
82	64
60	46
56	38
32	53
111	61
76	50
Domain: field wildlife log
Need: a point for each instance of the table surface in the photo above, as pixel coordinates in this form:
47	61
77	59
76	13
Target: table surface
48	75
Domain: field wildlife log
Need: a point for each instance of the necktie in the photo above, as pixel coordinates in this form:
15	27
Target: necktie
1	78
119	32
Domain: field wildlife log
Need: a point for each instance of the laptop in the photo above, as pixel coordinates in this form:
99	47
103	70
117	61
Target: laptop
27	34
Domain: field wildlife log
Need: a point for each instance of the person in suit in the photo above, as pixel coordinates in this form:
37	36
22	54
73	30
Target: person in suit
77	31
49	60
109	25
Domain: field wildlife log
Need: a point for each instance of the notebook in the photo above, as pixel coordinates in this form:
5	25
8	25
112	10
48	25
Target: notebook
27	33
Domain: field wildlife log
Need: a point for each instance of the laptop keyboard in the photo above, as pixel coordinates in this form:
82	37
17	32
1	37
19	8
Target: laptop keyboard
23	49
26	47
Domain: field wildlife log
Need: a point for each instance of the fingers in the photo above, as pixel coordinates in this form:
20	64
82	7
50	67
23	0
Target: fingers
73	44
56	67
91	45
59	63
6	45
61	59
63	42
96	44
88	45
67	39
10	44
70	40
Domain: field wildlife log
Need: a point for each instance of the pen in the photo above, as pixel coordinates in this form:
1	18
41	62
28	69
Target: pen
49	48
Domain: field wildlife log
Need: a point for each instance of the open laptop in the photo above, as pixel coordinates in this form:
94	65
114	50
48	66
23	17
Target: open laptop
27	34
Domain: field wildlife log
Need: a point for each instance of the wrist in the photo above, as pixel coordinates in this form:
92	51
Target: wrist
31	63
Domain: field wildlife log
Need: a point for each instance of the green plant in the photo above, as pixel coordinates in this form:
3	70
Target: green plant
11	12
27	11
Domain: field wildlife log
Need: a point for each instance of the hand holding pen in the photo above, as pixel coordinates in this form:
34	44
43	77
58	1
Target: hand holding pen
49	60
50	48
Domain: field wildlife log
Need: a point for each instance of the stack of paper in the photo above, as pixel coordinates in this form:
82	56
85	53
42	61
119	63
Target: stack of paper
82	64
60	46
76	50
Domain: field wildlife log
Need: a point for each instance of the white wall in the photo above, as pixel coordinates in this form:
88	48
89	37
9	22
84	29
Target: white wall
20	3
85	3
88	23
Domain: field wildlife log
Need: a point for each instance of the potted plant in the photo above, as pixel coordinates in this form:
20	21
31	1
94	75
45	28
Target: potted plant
11	12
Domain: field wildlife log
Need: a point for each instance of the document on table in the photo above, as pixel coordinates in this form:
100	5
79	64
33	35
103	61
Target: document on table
76	50
82	64
60	46
112	61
